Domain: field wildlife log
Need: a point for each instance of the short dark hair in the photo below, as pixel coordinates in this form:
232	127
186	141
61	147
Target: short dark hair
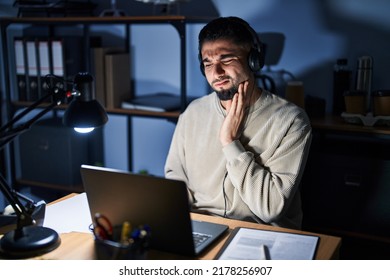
232	28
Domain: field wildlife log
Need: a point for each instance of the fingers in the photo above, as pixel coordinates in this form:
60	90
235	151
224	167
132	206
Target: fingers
240	98
231	127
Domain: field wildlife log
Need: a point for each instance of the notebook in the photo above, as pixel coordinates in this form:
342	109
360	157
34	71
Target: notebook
143	199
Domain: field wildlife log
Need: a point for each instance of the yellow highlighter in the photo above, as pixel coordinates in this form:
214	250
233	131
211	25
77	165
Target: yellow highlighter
125	233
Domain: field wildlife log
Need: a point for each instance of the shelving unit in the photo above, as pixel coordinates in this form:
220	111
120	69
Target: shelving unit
85	23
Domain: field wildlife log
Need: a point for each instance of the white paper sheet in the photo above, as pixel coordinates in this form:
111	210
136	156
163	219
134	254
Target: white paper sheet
251	244
69	215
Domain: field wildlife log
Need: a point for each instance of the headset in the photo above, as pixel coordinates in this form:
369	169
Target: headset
256	55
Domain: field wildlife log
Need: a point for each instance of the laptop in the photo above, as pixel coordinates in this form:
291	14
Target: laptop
143	199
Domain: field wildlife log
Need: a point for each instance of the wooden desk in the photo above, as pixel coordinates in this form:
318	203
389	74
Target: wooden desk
80	246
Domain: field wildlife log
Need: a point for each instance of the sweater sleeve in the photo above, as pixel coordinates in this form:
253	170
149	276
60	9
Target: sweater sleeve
174	165
267	183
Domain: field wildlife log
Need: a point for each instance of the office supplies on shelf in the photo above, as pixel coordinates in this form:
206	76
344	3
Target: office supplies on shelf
57	58
159	202
29	240
32	71
157	102
364	78
44	65
98	66
20	65
342	79
246	243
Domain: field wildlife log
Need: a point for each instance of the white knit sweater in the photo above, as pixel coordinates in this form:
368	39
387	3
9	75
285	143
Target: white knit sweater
255	178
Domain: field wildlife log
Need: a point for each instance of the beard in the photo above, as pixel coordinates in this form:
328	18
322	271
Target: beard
227	94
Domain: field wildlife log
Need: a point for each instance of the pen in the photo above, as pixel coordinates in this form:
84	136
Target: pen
126	228
266	252
102	227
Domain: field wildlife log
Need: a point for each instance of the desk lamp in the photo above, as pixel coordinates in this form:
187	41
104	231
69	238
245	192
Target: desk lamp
83	113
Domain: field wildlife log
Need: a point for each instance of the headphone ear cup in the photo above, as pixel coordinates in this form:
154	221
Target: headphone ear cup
201	65
202	69
255	60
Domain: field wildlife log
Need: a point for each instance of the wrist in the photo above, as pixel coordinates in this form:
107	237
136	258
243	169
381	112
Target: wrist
233	150
226	142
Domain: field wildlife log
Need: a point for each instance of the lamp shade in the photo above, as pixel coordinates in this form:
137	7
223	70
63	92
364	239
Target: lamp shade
84	111
85	114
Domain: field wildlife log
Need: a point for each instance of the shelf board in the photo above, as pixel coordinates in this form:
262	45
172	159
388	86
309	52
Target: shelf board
144	113
119	111
105	20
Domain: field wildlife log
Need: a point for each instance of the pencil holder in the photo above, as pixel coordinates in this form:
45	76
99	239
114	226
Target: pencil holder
136	248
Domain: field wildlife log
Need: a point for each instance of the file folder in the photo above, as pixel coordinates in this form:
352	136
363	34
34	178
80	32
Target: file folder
32	70
67	57
20	65
44	65
57	57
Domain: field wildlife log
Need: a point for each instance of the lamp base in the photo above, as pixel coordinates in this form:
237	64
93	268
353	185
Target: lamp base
29	241
9	222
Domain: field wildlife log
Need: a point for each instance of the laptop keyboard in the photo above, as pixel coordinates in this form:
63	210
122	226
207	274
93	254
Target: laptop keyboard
200	238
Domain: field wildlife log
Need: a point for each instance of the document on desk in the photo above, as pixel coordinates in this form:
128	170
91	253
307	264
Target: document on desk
69	215
255	244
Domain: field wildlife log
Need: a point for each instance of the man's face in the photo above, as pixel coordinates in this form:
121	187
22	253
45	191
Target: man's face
225	66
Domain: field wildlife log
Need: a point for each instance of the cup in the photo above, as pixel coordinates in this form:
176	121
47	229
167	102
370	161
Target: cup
381	102
115	249
112	250
355	102
295	93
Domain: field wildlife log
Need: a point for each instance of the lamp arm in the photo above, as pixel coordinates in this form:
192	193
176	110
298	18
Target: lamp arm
11	134
24	217
7	133
57	95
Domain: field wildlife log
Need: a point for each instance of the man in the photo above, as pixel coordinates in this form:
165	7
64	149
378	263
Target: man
241	150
